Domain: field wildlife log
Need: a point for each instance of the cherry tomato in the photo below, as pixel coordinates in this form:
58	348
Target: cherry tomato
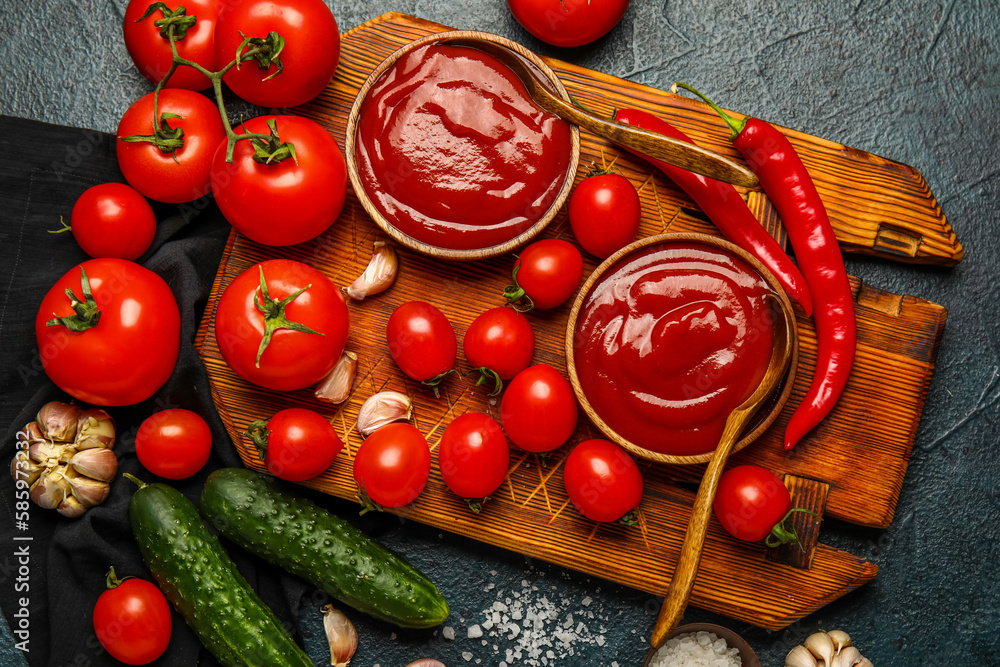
172	176
113	220
602	481
473	456
150	50
568	22
500	344
421	341
547	273
297	444
309	57
538	409
292	358
132	620
129	332
752	504
174	443
392	465
286	202
604	212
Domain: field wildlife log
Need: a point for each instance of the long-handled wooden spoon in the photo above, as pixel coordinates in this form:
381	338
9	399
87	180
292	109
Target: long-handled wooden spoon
687	564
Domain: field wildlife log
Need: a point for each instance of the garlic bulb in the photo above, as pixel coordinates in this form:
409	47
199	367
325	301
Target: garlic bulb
336	387
383	408
826	649
379	275
341	634
65	458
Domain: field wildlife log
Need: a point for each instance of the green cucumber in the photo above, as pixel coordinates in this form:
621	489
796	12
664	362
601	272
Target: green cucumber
198	577
256	513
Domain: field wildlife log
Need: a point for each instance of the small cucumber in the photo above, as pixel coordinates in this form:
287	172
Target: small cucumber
202	582
255	512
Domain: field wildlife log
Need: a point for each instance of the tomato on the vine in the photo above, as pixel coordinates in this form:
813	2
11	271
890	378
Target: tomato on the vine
474	457
422	342
116	341
296	444
132	620
546	274
604	212
186	132
603	481
287	201
281	324
568	22
392	465
112	220
173	443
308	57
752	504
499	343
538	409
149	46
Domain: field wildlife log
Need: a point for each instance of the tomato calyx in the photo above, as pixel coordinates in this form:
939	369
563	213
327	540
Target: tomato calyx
167	139
435	382
65	227
177	19
368	505
516	294
784	534
112	580
630	518
274	314
257	432
264	50
87	314
476	504
488	375
273	150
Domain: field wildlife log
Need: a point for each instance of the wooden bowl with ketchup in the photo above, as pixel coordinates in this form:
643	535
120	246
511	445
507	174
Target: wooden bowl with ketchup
667	337
448	154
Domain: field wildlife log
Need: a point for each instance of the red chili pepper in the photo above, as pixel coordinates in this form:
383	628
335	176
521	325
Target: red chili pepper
788	185
725	207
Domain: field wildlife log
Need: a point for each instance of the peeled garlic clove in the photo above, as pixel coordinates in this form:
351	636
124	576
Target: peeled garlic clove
379	275
383	408
849	657
801	657
840	639
59	420
96	429
341	634
101	464
821	646
336	387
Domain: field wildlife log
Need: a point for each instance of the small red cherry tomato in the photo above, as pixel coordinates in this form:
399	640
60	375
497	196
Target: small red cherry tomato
132	620
174	444
752	504
602	481
150	50
546	274
296	444
392	465
421	341
473	456
113	220
538	409
568	22
604	212
499	343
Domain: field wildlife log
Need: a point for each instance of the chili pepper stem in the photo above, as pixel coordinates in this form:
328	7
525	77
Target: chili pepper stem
735	126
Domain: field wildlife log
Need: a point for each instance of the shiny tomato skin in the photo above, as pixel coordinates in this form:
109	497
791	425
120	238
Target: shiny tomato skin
159	175
500	339
538	409
549	271
151	52
309	57
604	212
174	443
421	340
288	202
602	480
392	465
293	359
113	220
132	621
473	455
300	444
568	22
132	350
750	501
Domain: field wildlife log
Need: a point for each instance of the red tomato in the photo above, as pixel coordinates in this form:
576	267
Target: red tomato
602	481
421	341
604	212
291	359
473	456
297	444
499	343
174	443
174	176
538	409
392	465
132	620
113	220
286	202
150	51
309	57
752	503
547	273
568	22
122	355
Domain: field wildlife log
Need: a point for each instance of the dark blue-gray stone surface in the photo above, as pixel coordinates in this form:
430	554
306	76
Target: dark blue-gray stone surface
917	82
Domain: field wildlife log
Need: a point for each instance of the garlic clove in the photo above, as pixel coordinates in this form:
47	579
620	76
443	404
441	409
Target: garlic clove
341	634
379	275
821	646
840	639
71	508
90	492
59	420
383	408
848	657
426	662
336	387
96	429
864	662
50	490
801	657
101	464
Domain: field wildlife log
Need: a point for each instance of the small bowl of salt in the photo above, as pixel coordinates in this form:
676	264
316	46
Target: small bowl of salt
702	645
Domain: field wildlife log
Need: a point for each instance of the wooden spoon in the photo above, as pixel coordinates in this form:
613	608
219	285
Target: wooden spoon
655	145
687	564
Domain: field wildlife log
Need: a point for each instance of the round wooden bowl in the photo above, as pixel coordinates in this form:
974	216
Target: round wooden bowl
747	654
769	410
468	38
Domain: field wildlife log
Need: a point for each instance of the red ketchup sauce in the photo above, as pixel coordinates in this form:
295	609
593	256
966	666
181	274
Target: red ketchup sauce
452	152
670	340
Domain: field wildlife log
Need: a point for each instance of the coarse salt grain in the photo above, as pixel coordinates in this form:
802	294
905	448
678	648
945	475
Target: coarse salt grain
699	649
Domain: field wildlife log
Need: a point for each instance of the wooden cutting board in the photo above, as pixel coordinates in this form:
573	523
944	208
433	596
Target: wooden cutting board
850	467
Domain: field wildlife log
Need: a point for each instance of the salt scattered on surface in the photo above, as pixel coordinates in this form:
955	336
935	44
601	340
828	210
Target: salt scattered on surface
448	632
699	649
475	632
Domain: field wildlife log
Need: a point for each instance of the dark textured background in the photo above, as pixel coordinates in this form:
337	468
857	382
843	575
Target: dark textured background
918	82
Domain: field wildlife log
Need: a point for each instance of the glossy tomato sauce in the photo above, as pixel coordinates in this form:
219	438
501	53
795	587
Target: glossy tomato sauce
669	340
452	152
